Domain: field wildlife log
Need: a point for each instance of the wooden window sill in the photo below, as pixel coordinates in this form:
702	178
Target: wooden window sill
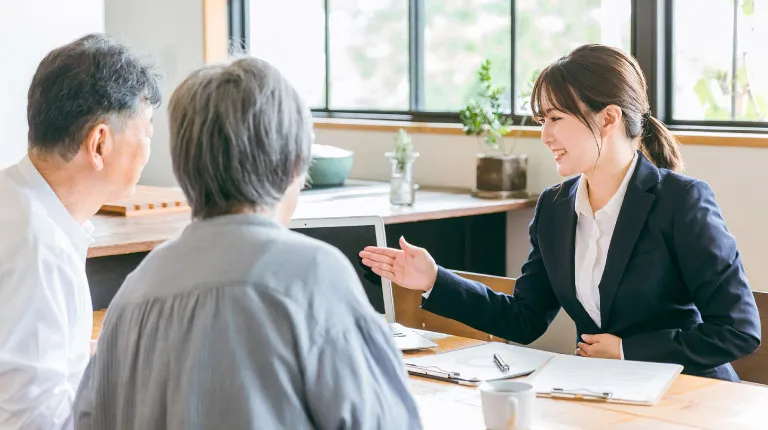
744	140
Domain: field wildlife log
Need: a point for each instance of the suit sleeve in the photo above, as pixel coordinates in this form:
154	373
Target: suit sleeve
711	267
521	317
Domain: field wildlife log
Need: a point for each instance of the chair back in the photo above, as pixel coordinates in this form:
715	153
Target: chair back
754	367
409	313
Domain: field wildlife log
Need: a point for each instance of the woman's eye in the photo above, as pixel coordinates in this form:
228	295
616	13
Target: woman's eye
555	119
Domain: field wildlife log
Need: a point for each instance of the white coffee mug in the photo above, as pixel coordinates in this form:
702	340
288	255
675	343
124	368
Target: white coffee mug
507	405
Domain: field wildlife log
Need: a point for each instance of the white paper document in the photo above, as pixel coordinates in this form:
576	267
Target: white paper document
475	364
620	381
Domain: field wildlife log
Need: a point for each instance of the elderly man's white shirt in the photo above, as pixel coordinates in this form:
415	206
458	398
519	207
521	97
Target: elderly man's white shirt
45	304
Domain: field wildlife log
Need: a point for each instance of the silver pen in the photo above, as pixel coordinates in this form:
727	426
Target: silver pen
504	367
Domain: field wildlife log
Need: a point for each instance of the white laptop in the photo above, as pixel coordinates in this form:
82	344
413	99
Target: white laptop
351	235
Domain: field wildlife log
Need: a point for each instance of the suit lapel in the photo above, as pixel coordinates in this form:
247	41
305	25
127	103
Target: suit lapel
565	233
634	211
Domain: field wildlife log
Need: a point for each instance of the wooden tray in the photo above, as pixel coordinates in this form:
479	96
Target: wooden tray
149	200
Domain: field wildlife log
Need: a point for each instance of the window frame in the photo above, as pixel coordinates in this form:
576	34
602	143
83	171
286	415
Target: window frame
239	25
668	77
651	43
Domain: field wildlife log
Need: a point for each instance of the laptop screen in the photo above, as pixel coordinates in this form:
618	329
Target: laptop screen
350	240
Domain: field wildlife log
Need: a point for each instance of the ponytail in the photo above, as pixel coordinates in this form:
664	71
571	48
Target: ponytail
660	146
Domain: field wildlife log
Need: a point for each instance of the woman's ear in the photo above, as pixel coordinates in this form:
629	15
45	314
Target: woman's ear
610	120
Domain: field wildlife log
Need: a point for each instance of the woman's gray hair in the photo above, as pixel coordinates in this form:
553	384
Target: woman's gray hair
240	134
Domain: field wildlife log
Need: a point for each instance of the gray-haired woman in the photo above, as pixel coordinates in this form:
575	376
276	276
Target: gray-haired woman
240	322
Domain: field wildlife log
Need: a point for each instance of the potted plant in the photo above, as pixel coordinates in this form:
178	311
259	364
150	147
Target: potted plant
402	189
500	172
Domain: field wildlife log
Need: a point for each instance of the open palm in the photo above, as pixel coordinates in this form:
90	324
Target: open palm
410	267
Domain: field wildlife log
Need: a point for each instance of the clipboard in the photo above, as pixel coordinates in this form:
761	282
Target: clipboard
475	364
604	380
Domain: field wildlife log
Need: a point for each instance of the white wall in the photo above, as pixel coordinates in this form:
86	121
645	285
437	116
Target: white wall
170	33
29	29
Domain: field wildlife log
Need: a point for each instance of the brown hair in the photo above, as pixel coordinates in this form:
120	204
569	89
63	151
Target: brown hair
600	75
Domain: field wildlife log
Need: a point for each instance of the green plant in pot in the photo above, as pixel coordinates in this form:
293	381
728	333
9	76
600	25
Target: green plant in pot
500	172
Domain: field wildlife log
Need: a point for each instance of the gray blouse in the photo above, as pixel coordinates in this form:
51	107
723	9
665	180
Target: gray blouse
241	323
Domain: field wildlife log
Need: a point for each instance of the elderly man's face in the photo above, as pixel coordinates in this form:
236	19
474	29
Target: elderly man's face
129	154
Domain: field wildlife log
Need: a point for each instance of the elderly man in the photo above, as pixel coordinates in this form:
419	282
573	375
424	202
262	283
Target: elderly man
89	111
240	323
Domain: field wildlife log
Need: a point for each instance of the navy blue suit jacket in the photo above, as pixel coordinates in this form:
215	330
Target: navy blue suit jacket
674	288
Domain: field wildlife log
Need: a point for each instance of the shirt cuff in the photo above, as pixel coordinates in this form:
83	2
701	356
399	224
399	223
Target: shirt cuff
621	348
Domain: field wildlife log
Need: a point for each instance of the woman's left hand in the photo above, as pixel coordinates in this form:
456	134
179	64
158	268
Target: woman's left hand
600	346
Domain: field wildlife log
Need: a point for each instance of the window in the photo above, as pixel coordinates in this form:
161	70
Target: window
458	36
548	29
720	62
273	38
368	49
417	59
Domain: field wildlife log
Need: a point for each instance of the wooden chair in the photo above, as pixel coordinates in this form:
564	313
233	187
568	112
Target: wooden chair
408	313
754	367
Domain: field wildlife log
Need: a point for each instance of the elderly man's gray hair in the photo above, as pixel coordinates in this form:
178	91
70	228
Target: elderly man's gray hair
240	134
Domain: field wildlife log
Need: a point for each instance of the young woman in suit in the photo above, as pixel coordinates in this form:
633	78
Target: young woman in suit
637	254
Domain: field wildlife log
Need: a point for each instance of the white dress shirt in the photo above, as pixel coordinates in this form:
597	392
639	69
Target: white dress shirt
594	231
45	305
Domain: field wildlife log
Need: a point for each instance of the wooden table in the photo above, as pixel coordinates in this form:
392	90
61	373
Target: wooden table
690	403
115	235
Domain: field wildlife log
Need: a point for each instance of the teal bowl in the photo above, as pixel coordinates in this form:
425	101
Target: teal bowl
331	168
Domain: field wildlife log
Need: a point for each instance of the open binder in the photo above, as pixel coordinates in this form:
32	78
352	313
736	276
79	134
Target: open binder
475	364
616	381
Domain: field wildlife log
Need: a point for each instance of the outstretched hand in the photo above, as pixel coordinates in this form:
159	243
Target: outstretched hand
410	266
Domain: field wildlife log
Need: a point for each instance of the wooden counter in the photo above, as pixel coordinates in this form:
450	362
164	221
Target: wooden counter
690	403
115	235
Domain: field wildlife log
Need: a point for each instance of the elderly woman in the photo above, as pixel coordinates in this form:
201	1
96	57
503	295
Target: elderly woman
240	322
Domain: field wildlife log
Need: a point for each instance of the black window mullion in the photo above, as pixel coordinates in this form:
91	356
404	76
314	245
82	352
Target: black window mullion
416	13
735	58
327	55
668	77
239	26
651	49
512	61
